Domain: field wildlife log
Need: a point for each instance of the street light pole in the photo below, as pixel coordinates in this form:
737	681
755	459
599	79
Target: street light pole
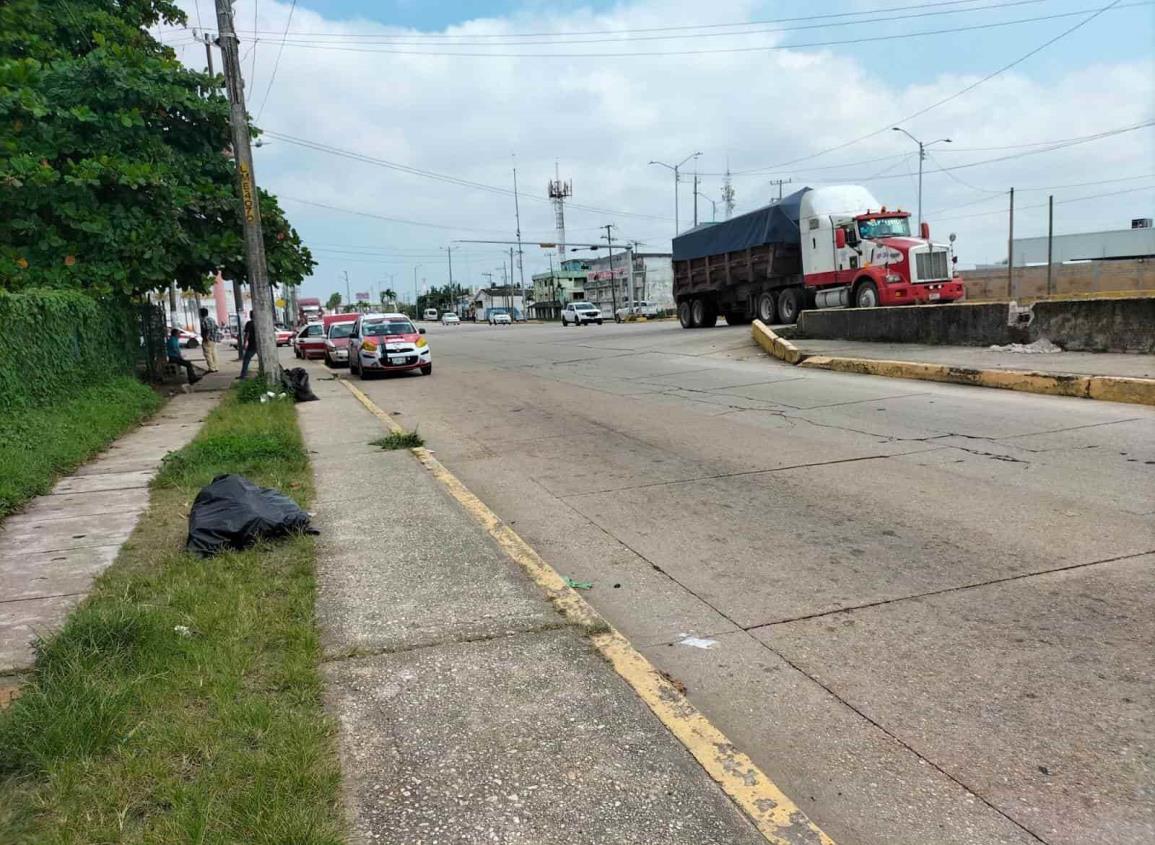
921	157
415	269
676	168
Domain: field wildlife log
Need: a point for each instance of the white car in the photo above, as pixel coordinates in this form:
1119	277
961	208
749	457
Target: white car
642	309
381	343
450	319
580	313
500	318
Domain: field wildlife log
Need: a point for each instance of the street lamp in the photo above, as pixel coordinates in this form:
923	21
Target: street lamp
415	269
713	206
676	168
921	157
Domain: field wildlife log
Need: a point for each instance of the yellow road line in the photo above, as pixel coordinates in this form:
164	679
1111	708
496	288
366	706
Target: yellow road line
777	818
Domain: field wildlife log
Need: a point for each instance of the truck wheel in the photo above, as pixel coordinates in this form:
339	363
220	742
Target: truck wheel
765	309
684	315
866	296
790	305
709	314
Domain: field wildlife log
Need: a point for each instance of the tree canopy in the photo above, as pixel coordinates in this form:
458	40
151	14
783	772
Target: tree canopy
115	172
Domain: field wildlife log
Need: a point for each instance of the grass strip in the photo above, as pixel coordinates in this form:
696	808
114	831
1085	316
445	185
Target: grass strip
182	702
39	444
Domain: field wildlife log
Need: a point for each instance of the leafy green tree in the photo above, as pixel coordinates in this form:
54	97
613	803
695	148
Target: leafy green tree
333	302
114	168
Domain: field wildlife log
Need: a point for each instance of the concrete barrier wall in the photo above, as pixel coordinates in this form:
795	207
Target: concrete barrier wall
951	325
1080	325
1083	277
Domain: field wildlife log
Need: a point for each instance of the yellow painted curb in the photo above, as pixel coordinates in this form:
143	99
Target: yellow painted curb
777	818
779	347
1111	389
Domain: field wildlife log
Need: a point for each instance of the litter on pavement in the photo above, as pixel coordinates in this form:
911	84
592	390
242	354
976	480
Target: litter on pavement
296	382
234	513
578	585
698	642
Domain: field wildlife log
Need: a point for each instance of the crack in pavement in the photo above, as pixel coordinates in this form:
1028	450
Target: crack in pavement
360	652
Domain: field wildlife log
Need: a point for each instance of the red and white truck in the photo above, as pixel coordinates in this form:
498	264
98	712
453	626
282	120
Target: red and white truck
830	247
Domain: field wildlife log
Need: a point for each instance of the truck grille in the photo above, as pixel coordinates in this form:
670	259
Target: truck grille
932	266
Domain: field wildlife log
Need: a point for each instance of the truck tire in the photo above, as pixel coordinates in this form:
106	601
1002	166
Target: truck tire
684	315
704	313
866	295
790	304
765	307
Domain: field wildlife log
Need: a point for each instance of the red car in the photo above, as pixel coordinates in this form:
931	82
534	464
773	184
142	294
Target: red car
310	341
284	336
338	327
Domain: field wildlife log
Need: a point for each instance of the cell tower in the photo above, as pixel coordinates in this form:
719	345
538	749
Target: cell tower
728	193
558	192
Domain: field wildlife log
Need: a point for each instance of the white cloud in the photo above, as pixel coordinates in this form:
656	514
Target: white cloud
605	119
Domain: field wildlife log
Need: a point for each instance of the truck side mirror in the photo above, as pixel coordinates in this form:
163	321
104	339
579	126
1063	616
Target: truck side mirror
924	230
840	238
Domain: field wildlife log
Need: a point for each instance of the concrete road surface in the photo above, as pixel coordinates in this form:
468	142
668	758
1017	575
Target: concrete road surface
925	610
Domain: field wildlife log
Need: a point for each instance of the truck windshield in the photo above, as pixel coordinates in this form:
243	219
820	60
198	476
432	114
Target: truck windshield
884	227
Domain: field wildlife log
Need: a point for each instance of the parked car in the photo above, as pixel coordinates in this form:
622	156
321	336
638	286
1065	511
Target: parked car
499	317
429	314
338	327
381	343
450	319
641	309
284	336
309	342
580	313
189	340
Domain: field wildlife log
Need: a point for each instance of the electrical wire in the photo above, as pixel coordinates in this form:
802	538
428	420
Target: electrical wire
962	182
961	92
1041	188
387	218
1044	205
314	45
253	67
276	64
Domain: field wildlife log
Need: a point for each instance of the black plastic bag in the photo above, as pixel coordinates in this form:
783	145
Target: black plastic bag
296	382
234	513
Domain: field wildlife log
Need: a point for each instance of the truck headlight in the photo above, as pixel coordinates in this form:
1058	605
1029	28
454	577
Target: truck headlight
893	278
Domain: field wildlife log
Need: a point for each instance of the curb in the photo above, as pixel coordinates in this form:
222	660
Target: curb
777	818
1136	391
780	348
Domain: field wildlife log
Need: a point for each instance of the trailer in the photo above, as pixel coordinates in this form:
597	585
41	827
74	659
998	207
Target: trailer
817	248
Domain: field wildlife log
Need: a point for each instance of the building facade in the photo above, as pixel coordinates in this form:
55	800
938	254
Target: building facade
510	299
554	289
610	284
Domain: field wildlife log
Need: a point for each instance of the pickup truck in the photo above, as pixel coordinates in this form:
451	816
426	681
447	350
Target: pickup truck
641	309
579	313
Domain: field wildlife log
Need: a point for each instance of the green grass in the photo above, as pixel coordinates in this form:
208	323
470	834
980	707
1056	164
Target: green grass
38	445
131	732
399	440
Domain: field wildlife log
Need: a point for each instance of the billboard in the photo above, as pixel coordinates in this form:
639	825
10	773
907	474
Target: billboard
361	296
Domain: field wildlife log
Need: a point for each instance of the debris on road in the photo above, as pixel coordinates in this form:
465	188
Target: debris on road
234	513
578	585
698	642
1042	346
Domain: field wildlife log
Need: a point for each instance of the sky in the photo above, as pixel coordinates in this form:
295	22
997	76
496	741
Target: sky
463	92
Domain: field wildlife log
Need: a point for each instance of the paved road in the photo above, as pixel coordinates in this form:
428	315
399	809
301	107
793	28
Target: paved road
930	605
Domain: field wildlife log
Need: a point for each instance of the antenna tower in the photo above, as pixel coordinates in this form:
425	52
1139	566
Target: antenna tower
558	192
728	193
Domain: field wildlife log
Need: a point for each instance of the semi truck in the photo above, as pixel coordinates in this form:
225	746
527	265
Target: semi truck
309	310
829	247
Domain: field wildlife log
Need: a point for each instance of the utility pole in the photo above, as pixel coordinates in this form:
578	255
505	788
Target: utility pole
509	284
780	183
270	367
348	295
1050	238
613	282
695	196
517	219
415	269
1011	246
921	158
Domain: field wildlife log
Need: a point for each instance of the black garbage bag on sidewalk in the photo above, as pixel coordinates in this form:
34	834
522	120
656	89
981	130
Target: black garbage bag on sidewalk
296	382
234	513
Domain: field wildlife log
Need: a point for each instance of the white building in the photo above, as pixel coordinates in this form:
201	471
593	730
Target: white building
610	285
509	299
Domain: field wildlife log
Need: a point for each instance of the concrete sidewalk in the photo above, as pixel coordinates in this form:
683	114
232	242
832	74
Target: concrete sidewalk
469	710
53	549
982	358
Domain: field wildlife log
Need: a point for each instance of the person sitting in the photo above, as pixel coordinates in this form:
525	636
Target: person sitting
172	350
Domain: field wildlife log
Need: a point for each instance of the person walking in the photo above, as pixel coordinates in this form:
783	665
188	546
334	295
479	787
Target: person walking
210	337
172	351
250	342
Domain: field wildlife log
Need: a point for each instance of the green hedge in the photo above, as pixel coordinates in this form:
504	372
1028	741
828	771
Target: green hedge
55	344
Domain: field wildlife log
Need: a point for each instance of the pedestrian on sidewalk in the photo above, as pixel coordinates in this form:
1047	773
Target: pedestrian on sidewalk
210	337
250	343
172	350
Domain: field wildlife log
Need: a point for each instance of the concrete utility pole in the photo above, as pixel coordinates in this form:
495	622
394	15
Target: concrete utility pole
415	269
921	158
270	366
676	168
517	219
780	183
1050	238
348	295
696	193
1011	247
613	282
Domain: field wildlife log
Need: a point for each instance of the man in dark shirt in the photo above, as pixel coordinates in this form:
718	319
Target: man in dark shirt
250	342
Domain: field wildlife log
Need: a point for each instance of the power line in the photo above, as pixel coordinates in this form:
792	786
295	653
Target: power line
277	63
387	218
315	45
955	95
421	39
1039	188
253	67
1044	205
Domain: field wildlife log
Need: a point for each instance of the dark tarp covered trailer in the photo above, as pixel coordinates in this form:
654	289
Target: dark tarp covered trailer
774	224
